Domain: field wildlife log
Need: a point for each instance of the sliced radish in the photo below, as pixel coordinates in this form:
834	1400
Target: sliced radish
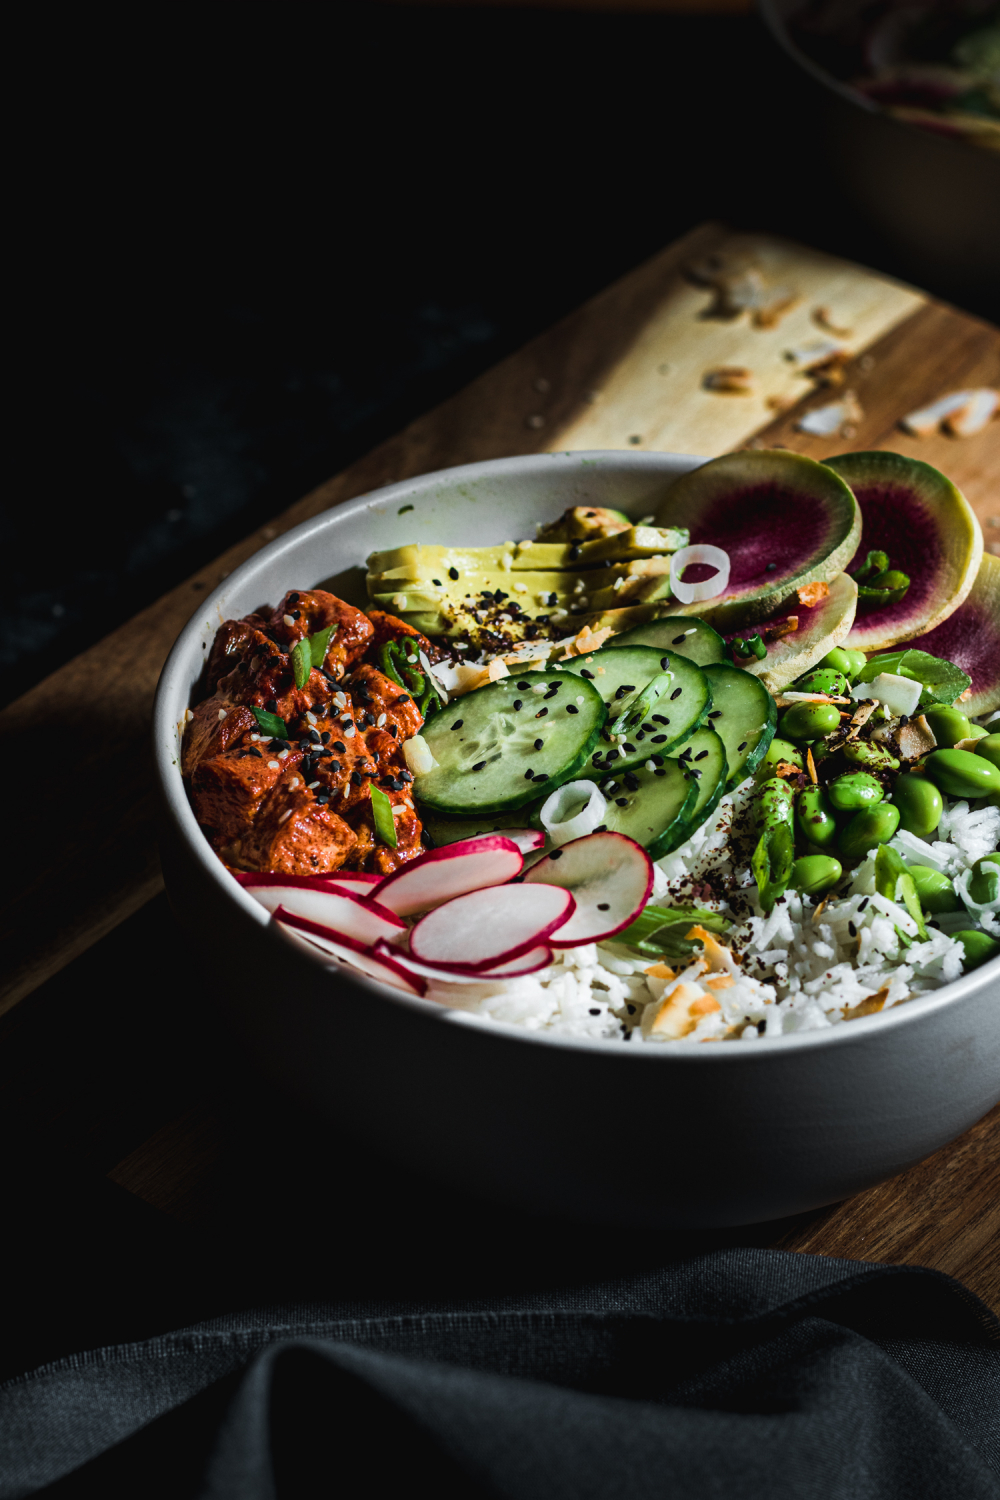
381	966
354	880
453	870
489	928
342	913
527	963
611	878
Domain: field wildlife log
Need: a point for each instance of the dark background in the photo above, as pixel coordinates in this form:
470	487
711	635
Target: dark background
254	243
250	244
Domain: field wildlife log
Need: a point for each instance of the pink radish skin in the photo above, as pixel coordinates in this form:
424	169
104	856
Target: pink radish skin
361	885
340	913
526	839
454	870
528	963
485	929
381	966
601	869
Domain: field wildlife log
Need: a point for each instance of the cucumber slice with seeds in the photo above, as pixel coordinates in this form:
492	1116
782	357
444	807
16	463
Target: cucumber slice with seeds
744	716
654	809
487	749
705	756
691	638
622	678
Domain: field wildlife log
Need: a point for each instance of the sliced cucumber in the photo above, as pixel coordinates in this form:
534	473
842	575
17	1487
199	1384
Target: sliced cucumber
691	638
653	808
681	706
704	754
486	744
744	716
453	830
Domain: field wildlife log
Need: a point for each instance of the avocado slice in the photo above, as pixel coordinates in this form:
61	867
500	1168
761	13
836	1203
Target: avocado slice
418	562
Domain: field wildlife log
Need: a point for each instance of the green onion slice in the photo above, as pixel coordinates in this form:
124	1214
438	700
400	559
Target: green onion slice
319	645
772	864
301	657
893	880
385	823
270	723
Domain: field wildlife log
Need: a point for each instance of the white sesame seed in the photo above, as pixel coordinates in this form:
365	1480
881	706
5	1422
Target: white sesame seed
282	754
580	698
222	713
540	687
265	739
650	766
274	765
310	785
348	731
397	811
312	718
340	700
254	738
288	619
293	782
380	721
520	588
285	816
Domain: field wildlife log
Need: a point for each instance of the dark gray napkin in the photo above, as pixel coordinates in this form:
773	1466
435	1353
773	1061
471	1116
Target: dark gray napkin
738	1373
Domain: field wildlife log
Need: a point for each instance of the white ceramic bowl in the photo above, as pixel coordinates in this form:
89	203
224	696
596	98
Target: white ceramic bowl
675	1135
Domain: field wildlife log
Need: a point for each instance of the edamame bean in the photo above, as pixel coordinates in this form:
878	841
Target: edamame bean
778	750
868	753
854	790
867	829
822	680
815	873
962	774
920	804
845	659
984	884
775	804
813	817
936	891
949	725
977	732
989	749
979	948
810	721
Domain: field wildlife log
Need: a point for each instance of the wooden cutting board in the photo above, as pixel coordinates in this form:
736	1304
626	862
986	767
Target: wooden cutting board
627	370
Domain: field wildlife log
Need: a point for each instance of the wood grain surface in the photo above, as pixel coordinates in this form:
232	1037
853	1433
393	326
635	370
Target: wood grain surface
628	365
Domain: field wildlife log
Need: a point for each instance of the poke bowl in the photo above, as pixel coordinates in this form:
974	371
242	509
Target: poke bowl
461	1023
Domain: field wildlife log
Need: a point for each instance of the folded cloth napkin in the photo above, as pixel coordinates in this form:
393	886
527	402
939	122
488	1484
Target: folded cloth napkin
737	1373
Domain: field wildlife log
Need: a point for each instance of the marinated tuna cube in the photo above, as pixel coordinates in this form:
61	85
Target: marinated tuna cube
227	790
308	611
235	640
381	703
370	854
293	834
218	722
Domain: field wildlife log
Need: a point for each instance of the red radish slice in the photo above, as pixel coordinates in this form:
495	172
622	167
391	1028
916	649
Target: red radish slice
487	928
526	839
381	966
611	878
528	963
341	913
441	874
361	885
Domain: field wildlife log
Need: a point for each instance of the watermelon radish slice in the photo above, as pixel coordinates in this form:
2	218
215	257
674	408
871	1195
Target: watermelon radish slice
611	878
381	966
821	627
779	517
528	963
970	637
487	928
930	532
341	912
442	874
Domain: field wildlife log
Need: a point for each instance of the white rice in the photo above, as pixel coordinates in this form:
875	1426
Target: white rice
801	969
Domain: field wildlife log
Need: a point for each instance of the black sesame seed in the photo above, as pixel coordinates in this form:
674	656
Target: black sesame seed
517	705
339	745
453	574
770	567
314	737
641	735
541	713
554	687
479	765
601	828
716	713
695	772
294	598
271	706
356	778
325	736
556	854
629	749
701	755
611	755
631	781
621	801
540	777
604	906
852	929
594	1011
659	719
458	724
405	776
539	744
403	698
335	765
584	673
678	638
529	775
743	746
256	754
863	905
664	663
436	582
605	736
368	719
676	693
571	708
659	739
296	614
322	798
523	687
659	773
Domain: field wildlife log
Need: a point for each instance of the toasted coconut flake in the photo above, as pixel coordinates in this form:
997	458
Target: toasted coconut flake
817	914
859	718
780	627
974	415
811	593
867	1007
915	738
587	641
780	403
927	419
822	318
811	766
731	380
836	416
773	306
809	356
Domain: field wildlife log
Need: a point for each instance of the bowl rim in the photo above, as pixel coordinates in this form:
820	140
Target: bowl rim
175	801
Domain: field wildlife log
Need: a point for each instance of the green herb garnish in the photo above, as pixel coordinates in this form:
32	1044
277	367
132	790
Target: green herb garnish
319	645
385	823
877	582
660	930
301	658
894	881
270	723
942	681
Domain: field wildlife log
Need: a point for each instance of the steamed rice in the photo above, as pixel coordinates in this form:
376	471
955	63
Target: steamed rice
806	966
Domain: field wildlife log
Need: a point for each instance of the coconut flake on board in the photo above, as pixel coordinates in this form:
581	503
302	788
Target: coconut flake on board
963	413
